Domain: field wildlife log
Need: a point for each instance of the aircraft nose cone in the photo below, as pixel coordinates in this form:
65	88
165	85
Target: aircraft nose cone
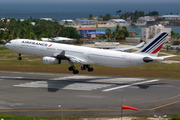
6	45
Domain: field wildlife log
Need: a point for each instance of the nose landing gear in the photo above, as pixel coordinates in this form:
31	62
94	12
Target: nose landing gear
19	58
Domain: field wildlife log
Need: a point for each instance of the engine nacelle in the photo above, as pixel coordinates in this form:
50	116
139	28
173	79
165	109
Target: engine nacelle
50	60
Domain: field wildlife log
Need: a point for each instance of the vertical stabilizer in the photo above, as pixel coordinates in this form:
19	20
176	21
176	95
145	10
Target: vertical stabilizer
154	45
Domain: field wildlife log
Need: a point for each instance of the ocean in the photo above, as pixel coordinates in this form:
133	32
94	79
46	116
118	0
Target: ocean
176	29
71	9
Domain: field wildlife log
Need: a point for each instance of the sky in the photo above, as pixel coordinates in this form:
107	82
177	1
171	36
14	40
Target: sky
90	1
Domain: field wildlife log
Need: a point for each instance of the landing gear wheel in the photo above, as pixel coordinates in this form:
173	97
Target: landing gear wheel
90	69
75	71
19	58
83	68
71	68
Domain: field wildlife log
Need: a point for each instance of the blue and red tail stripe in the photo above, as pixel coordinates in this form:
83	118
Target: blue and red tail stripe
159	39
157	50
154	46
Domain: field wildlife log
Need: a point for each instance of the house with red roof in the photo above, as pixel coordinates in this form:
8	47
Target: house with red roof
83	31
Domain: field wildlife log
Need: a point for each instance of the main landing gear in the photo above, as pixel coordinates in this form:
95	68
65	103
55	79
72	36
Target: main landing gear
84	67
72	68
19	58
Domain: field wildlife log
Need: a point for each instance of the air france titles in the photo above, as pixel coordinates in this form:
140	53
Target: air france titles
35	43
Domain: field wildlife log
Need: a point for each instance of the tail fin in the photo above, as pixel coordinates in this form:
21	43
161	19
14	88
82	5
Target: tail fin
154	45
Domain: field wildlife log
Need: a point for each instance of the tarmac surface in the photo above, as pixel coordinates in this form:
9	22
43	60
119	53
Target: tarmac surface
40	94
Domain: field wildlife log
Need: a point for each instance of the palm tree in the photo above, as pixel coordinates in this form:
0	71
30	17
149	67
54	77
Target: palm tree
108	32
176	35
117	28
172	34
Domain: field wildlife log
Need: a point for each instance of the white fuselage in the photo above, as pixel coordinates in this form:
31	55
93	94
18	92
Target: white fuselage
90	55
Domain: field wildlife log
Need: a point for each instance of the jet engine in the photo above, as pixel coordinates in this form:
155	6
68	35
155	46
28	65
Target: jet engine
50	60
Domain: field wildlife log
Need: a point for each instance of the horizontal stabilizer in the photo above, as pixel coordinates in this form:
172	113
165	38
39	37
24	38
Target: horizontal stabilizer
167	56
156	59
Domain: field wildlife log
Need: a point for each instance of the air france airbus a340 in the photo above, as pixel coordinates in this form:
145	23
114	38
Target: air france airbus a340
54	53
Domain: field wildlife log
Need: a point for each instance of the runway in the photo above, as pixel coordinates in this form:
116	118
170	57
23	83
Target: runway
40	94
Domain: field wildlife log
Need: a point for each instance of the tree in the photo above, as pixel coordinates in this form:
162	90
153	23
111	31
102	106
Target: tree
107	17
168	47
90	16
176	35
119	11
172	34
42	28
117	28
108	32
120	33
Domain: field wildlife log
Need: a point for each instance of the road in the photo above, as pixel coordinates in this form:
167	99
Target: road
39	94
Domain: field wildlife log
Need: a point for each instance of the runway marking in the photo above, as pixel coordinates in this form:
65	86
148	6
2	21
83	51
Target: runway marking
27	73
165	105
58	85
79	110
85	86
165	98
124	86
82	110
173	86
79	77
9	77
159	100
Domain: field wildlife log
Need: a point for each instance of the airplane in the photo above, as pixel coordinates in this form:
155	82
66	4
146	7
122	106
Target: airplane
54	53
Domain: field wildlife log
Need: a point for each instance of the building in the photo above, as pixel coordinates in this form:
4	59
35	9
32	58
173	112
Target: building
142	21
148	33
105	24
173	19
85	22
33	23
67	22
93	35
83	31
46	19
121	22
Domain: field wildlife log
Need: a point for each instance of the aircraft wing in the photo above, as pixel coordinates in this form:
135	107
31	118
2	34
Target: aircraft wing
126	48
71	58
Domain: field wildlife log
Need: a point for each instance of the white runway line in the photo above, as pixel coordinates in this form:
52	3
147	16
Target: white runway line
10	77
124	86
